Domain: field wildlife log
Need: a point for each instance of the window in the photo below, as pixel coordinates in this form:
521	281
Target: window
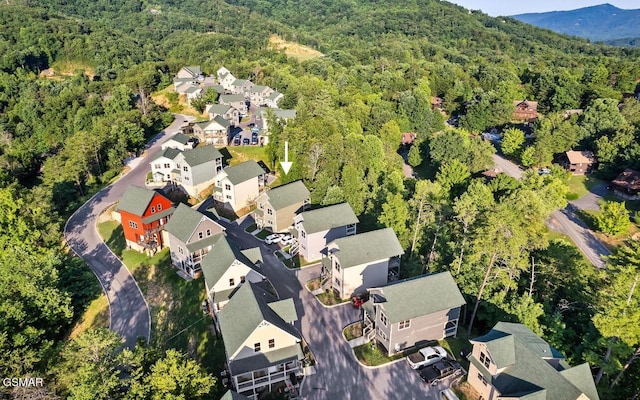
242	279
256	347
228	197
269	211
200	235
133	225
180	250
167	165
303	234
337	265
484	359
157	166
404	324
153	210
383	319
232	282
337	281
208	232
227	187
159	207
186	178
178	166
185	168
272	343
382	334
261	206
482	379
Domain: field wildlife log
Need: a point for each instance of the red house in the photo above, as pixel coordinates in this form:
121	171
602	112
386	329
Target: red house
143	214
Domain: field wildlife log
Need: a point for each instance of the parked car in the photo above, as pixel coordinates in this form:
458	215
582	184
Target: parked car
544	171
254	138
245	141
432	374
286	240
273	238
426	356
237	139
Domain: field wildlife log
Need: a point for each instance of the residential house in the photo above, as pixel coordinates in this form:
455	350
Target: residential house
186	82
262	346
191	91
279	115
191	235
144	214
225	78
225	268
215	131
230	114
178	141
163	166
408	138
359	262
317	228
411	311
239	185
512	362
241	87
259	95
197	168
568	113
627	184
579	162
236	101
437	103
277	207
192	72
273	99
525	110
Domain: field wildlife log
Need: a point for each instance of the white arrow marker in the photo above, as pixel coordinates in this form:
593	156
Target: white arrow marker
286	164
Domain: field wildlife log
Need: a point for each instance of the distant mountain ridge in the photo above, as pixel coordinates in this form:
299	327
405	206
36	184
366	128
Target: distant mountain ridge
597	23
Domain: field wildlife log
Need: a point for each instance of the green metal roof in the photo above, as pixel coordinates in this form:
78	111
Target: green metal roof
201	155
420	296
243	172
184	222
231	395
220	258
367	247
244	312
325	218
135	200
286	195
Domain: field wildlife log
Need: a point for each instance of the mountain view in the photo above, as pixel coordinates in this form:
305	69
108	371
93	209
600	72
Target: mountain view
597	23
316	199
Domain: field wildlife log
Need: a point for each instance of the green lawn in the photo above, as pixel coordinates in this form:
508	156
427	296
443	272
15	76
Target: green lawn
251	228
263	234
579	186
330	298
352	331
292	263
240	154
175	304
95	316
372	354
455	345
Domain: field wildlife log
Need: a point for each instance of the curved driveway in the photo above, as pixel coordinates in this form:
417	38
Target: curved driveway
128	310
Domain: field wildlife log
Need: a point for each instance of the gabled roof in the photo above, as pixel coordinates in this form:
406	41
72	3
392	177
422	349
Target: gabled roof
286	309
275	95
258	88
628	179
231	395
240	82
135	200
230	98
580	157
286	195
220	258
526	103
220	120
367	247
179	137
218	108
191	89
325	218
185	221
420	296
243	314
279	112
169	153
201	155
194	70
243	172
580	376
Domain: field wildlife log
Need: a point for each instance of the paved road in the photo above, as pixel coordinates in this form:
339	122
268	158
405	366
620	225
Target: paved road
338	374
129	311
566	221
590	200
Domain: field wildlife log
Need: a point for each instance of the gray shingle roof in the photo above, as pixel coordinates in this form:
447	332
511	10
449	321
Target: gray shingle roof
221	121
219	108
367	247
266	359
180	138
244	312
231	395
244	171
240	82
420	296
169	153
158	215
230	98
191	89
184	222
201	155
220	258
287	195
325	218
194	70
136	199
258	88
286	309
526	373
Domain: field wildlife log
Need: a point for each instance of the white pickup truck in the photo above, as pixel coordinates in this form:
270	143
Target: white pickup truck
426	356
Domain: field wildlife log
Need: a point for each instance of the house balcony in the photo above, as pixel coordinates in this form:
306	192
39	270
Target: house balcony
394	269
252	382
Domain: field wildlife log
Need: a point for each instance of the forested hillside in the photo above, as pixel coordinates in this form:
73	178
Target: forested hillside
65	136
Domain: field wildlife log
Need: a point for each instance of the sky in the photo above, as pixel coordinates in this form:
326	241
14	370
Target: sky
513	7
